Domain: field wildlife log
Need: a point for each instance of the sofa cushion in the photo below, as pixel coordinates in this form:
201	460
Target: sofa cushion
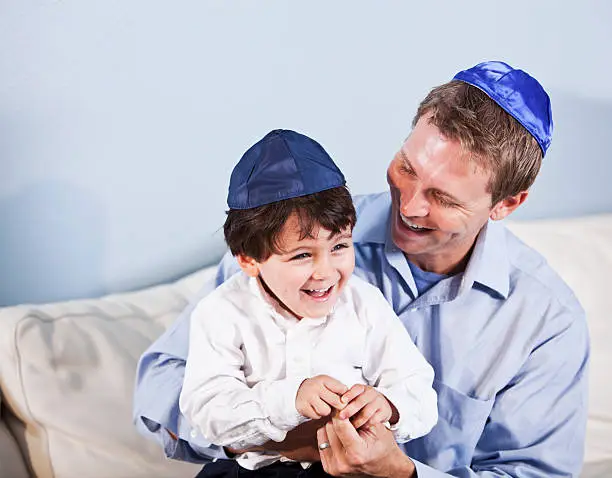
580	250
67	373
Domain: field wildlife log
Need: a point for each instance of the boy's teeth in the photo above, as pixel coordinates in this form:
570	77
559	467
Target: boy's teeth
318	292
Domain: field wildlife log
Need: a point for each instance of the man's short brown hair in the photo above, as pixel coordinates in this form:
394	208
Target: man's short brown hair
256	232
497	142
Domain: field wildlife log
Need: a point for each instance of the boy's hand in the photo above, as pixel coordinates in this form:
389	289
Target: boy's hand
365	405
317	395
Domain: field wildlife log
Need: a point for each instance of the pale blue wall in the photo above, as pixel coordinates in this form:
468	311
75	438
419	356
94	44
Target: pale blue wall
121	120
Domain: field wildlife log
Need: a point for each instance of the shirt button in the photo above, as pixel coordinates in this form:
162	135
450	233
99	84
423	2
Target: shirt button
193	434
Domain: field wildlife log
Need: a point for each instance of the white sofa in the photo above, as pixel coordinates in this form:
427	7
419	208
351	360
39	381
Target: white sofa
67	369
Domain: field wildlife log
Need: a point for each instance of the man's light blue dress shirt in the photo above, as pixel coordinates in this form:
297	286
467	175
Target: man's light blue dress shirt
507	339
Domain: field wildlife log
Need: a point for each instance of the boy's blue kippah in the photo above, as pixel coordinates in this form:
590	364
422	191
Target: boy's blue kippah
282	165
518	93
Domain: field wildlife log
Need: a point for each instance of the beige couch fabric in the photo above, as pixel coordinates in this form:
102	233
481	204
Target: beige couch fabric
67	373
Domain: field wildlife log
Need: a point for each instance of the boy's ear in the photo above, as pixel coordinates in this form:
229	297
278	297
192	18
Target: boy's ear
248	265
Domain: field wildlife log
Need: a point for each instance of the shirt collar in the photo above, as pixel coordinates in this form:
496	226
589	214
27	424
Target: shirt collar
488	264
373	212
278	312
268	302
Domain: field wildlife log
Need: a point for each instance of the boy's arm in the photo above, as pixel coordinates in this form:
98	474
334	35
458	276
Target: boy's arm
160	378
399	371
217	399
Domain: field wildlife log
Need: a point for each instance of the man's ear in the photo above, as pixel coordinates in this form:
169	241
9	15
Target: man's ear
248	265
506	206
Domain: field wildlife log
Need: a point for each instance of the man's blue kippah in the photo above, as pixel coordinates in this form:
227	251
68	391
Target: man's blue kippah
518	93
282	165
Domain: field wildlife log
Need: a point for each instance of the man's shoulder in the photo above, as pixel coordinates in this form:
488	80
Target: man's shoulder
372	217
531	273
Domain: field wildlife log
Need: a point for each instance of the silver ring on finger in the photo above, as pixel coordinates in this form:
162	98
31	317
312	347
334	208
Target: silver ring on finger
324	446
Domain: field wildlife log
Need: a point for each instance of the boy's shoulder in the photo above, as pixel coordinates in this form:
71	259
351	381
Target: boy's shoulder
231	293
361	294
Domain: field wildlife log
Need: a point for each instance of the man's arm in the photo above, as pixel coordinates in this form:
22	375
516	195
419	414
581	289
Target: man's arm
536	427
159	381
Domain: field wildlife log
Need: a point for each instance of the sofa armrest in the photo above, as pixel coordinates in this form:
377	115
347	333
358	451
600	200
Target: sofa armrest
67	373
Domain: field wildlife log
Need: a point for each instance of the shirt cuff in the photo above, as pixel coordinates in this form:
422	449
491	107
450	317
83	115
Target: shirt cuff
279	401
181	450
424	471
416	418
403	429
197	442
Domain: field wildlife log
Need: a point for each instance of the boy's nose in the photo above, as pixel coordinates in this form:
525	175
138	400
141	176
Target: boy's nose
322	269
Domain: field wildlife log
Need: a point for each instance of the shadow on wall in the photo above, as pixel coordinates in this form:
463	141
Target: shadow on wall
577	171
51	244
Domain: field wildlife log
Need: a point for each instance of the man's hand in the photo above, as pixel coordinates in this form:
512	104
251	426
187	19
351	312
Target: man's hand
318	395
370	451
366	406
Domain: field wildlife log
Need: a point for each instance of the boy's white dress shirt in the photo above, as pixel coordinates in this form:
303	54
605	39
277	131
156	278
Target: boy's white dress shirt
248	357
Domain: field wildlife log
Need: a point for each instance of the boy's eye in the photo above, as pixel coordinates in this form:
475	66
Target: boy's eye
340	246
303	255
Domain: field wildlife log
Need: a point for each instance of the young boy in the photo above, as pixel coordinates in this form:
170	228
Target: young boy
281	342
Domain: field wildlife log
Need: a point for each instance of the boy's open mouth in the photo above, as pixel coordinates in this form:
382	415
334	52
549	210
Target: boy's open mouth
319	293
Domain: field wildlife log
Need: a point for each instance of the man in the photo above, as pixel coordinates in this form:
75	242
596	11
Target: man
506	337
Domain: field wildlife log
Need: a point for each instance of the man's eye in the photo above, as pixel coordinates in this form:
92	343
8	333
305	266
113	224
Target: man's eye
442	201
406	169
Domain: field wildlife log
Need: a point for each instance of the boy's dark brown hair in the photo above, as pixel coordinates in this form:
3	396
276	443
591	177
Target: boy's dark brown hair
255	232
497	141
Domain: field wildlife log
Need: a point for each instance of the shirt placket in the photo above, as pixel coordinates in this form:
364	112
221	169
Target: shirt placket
298	352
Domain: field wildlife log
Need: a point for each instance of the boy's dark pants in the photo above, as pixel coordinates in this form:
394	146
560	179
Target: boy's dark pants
231	469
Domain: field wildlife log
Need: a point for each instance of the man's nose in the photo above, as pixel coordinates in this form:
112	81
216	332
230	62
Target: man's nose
413	203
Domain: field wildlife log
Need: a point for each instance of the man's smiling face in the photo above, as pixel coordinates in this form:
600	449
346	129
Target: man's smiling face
440	200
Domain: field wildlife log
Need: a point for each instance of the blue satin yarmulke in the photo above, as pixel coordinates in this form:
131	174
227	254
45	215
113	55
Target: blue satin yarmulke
518	93
282	165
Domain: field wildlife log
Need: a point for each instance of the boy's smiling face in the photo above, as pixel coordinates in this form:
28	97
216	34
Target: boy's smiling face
309	273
